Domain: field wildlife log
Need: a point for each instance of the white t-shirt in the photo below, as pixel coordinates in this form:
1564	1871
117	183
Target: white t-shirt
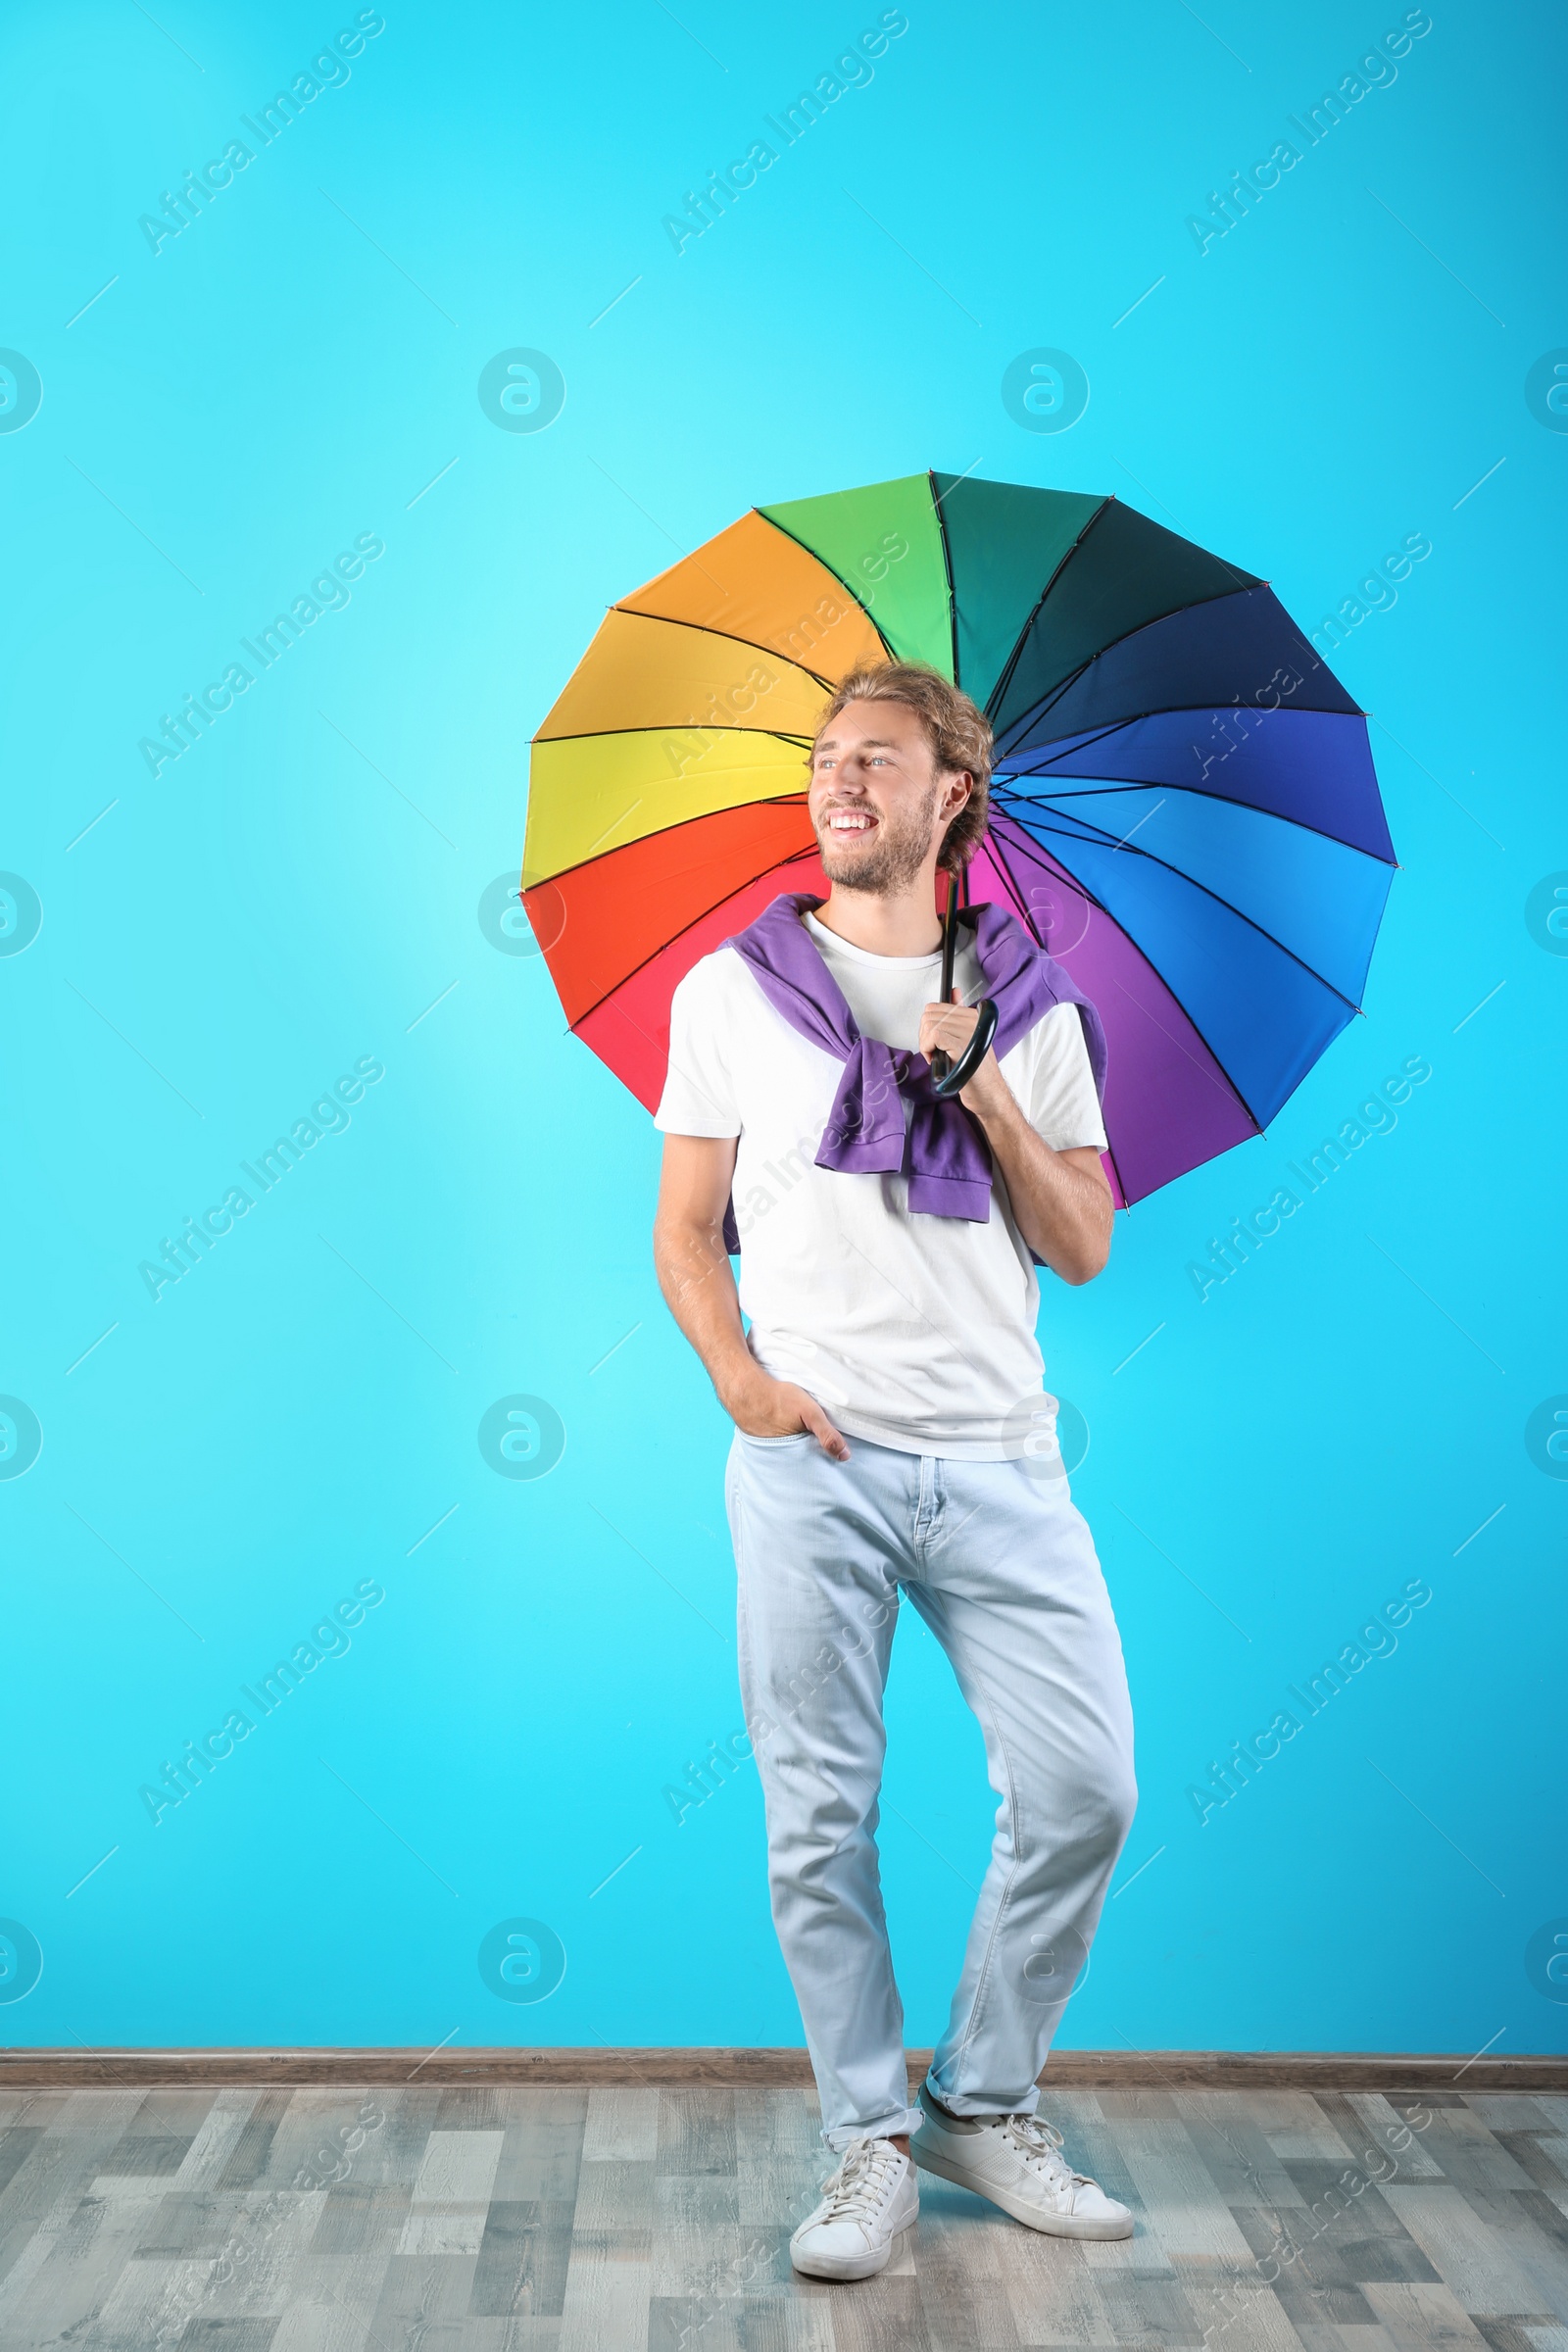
910	1330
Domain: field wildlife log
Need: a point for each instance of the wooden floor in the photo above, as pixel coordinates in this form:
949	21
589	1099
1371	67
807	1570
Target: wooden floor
658	2221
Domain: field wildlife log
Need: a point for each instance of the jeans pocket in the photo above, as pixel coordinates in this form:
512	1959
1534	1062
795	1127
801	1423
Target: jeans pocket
798	1437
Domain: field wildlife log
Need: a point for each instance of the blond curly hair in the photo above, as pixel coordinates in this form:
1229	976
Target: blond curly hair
955	728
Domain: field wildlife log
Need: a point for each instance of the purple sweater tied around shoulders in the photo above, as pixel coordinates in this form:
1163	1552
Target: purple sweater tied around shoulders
942	1149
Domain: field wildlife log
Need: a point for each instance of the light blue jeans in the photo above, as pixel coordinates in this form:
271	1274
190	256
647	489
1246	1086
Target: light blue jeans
1001	1565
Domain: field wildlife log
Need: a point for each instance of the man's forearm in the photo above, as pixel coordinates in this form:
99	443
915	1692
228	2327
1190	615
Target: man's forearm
1064	1213
699	1286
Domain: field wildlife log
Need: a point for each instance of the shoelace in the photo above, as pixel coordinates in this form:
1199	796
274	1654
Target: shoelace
1040	2144
859	2187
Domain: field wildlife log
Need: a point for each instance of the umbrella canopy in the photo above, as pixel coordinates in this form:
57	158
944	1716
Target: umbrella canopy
1184	807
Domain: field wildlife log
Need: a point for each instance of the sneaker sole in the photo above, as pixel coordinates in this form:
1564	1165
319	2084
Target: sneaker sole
849	2267
1049	2225
852	2266
865	2266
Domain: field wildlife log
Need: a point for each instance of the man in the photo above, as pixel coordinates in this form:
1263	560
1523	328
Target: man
892	1437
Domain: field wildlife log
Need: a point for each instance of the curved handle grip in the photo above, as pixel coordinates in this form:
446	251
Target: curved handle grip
949	1077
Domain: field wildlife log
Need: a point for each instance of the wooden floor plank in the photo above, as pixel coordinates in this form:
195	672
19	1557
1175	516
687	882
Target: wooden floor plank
230	2336
1234	2151
1145	2307
1394	2135
696	2244
474	2107
32	2106
961	2255
1511	2111
1424	2316
75	2140
16	2145
1470	2153
1300	2128
452	2192
609	2270
339	2284
877	2315
1532	2152
523	2255
1374	2339
1310	2269
423	2302
1188	2215
1537	2239
150	2303
621	2125
697	2131
542	2148
56	2181
252	2152
773	2324
1236	2310
83	2263
218	2135
780	2162
1050	2284
307	2144
270	2235
1465	2253
515	2335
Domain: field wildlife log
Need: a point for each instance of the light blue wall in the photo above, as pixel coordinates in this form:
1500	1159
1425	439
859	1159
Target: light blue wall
300	892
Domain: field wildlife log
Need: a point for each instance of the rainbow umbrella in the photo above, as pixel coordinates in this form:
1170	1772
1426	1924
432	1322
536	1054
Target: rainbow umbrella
1185	811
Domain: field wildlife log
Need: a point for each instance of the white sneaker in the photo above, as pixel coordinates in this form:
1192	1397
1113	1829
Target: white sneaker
871	2199
1015	2161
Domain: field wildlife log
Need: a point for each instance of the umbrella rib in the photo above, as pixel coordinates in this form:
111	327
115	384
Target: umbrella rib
764	800
832	574
999	691
1008	786
1112	726
1132	718
1246	581
673	726
947	567
1028	920
1239	913
1075	742
1215	1070
705	628
1048	702
775	865
1225	1082
781	800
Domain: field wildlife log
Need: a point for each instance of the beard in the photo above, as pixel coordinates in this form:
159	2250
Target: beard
894	859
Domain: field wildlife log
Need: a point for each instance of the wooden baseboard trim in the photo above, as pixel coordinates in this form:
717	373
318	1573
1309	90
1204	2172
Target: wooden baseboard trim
1069	2069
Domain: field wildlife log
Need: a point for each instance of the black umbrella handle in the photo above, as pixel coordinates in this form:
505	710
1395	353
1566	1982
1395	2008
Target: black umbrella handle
949	1077
954	1076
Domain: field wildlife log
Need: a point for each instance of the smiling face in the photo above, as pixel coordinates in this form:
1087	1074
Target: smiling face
878	803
